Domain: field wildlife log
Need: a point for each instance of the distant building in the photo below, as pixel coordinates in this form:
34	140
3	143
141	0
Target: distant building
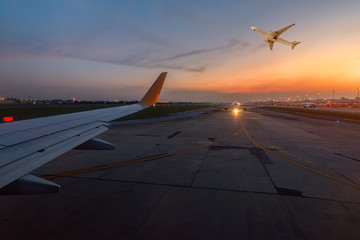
56	101
6	100
342	100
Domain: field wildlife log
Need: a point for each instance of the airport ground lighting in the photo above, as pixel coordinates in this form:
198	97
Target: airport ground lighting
317	98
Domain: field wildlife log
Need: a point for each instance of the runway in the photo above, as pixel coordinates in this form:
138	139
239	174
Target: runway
257	175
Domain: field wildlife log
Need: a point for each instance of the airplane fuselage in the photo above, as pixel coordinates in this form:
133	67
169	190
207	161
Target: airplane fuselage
271	36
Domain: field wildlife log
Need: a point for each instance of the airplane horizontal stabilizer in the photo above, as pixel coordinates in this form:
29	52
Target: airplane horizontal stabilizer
294	43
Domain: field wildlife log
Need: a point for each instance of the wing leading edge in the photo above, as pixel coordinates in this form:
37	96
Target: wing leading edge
280	31
27	145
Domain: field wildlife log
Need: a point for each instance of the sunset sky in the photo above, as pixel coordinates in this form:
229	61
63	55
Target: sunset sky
106	50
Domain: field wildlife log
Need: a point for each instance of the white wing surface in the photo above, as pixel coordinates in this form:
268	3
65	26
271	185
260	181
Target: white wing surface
28	144
258	30
280	31
283	41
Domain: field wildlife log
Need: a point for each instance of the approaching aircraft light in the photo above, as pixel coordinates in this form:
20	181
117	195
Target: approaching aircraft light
272	37
235	107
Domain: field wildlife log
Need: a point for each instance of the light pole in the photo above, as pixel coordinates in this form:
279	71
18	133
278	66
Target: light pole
358	94
317	98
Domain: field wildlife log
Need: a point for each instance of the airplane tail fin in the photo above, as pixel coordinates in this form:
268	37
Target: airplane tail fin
153	93
293	44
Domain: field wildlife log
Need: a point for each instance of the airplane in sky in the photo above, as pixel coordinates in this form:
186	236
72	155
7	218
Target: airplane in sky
272	37
28	144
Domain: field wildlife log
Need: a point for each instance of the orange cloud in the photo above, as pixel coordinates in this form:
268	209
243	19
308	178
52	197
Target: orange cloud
321	71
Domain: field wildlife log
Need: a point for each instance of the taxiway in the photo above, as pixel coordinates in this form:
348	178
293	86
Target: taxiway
257	175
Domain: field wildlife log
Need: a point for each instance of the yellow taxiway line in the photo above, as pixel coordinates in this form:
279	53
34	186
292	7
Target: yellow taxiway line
297	163
136	161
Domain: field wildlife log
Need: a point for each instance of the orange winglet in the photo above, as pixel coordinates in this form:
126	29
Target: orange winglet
153	93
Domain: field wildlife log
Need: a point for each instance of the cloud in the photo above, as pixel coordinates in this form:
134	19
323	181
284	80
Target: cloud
232	44
126	38
151	58
133	46
142	60
170	62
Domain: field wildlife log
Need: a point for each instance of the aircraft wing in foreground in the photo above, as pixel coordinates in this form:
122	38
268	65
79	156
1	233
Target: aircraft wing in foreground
28	144
272	37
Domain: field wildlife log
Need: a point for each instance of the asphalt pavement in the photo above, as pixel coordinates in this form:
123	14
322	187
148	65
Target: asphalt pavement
256	175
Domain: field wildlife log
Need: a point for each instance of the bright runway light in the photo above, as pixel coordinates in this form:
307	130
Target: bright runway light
236	111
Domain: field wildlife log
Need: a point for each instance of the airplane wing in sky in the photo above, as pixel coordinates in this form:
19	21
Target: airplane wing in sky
280	31
28	144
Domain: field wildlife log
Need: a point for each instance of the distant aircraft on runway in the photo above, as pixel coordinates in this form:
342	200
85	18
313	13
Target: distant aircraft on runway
309	105
28	144
272	37
235	107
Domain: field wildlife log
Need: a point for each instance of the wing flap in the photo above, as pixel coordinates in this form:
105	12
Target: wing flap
18	151
96	144
30	184
16	164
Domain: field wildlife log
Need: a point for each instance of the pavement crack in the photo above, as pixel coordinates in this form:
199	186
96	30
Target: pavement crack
285	191
289	192
174	134
154	207
351	158
202	163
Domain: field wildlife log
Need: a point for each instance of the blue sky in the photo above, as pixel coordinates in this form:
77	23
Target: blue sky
115	49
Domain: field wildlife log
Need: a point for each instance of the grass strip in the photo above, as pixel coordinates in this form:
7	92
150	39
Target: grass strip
28	112
163	110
